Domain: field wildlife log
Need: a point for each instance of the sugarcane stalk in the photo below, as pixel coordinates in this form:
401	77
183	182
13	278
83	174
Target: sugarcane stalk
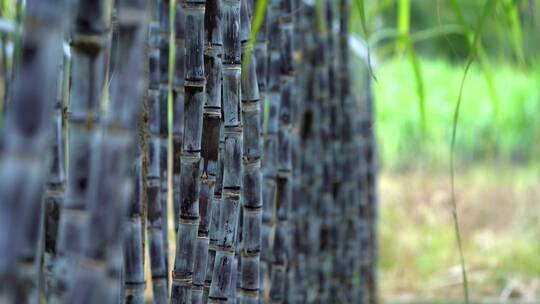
212	123
190	173
372	198
284	161
134	283
214	221
270	154
261	59
23	165
225	268
111	181
164	80
335	132
178	98
155	219
325	208
252	179
57	177
155	224
309	220
89	62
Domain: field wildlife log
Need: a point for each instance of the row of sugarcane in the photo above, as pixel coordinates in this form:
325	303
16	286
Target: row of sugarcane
255	134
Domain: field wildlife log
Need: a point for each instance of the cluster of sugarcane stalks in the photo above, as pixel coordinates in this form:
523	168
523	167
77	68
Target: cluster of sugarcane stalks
254	133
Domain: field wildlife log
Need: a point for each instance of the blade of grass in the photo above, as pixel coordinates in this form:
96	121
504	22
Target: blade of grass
482	60
360	5
486	11
515	24
420	89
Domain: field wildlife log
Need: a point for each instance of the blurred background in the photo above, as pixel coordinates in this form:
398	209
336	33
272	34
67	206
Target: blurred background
419	50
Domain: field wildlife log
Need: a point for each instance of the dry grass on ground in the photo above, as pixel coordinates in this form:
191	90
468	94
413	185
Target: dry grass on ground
499	212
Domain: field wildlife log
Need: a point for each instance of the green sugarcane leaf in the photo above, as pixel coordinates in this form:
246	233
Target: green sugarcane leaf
321	22
459	13
417	36
486	12
258	19
362	13
404	24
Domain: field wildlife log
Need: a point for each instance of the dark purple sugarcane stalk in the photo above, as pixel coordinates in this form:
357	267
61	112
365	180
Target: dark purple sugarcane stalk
252	179
372	201
214	221
210	153
133	281
190	172
325	201
23	165
164	75
334	149
56	180
261	59
225	268
313	235
156	222
213	70
284	161
111	184
88	79
178	99
271	143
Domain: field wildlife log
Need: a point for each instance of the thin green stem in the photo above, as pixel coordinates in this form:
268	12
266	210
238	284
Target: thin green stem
488	7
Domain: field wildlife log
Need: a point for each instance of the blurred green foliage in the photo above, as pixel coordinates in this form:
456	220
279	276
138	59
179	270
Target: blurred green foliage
7	8
511	135
509	34
421	49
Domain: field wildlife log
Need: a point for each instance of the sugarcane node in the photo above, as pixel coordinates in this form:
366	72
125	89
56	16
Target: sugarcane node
248	292
189	220
249	160
135	285
284	174
213	50
216	300
251	253
231	192
88	43
197	288
194	84
253	209
182	277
